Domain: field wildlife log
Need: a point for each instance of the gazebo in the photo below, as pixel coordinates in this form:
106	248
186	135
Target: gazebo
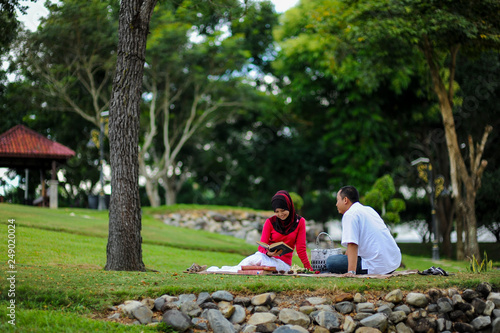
23	148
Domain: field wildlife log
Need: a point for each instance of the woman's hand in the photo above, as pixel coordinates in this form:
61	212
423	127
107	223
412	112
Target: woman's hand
274	253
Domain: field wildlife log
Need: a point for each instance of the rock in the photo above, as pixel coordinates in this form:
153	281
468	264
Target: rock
263	299
495	326
243	301
419	322
326	319
249	329
365	307
479	306
402	328
159	303
397	316
114	316
222	295
463	328
292	317
495	298
324	307
169	306
468	295
349	324
252	236
144	314
385	309
129	306
488	309
290	329
361	316
417	300
308	309
261	318
367	330
185	298
239	315
434	294
358	298
344	297
452	291
484	288
178	320
466	308
344	307
199	324
455	299
218	323
444	305
395	296
405	308
209	305
190	308
481	322
316	300
262	308
319	329
226	308
203	297
378	321
432	308
149	303
266	327
137	310
458	315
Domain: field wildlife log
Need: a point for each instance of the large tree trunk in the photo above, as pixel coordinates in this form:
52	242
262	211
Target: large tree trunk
124	250
464	197
445	215
460	236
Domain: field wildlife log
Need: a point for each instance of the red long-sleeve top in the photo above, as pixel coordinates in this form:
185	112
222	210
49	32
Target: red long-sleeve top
296	240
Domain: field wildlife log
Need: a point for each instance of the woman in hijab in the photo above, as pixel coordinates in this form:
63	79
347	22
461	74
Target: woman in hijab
285	226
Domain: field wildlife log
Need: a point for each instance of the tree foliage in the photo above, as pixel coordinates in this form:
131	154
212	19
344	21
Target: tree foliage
71	56
193	75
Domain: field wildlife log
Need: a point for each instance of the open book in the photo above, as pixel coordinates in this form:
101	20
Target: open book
276	246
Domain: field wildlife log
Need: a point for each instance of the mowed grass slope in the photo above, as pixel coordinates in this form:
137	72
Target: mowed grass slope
60	281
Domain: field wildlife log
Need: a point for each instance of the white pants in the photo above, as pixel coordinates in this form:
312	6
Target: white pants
256	259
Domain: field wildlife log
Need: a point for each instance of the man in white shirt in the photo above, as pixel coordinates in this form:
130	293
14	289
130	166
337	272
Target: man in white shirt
371	249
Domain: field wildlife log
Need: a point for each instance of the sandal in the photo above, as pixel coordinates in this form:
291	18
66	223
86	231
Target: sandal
434	271
429	271
440	271
195	268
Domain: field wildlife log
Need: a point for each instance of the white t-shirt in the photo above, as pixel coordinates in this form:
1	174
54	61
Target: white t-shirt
363	226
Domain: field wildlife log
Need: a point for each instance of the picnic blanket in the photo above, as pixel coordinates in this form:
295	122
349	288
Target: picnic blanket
267	272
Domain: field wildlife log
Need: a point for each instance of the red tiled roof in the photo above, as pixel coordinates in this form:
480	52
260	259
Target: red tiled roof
23	142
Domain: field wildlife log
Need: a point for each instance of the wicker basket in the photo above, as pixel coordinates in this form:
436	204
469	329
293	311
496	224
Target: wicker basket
319	256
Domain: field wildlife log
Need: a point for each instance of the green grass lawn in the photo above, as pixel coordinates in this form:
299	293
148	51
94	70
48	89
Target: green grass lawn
61	284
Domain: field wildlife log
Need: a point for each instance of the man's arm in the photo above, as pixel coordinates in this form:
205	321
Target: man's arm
352	258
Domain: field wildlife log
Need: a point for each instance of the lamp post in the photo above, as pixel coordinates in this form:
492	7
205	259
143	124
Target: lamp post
102	202
425	173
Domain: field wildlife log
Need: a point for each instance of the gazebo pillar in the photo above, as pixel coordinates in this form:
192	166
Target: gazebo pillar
53	187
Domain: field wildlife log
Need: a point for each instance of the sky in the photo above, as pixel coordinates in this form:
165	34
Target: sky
37	10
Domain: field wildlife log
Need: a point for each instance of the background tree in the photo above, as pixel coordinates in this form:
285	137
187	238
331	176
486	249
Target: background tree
9	23
193	78
70	57
124	249
388	34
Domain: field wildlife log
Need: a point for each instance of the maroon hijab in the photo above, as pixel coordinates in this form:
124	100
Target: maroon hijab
283	200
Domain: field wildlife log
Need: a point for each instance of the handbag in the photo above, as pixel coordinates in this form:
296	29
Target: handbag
319	256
